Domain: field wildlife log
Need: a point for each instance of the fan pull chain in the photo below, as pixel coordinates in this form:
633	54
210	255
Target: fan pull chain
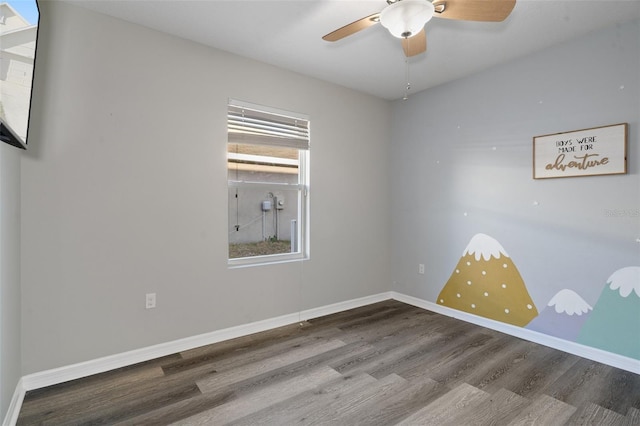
408	87
406	72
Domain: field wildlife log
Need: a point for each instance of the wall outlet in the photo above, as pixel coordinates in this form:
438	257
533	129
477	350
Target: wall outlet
150	300
421	268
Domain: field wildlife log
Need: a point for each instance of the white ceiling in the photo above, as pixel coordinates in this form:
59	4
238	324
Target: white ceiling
288	34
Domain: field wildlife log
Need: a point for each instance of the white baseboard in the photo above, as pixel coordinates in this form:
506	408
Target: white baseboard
11	417
100	365
344	306
594	354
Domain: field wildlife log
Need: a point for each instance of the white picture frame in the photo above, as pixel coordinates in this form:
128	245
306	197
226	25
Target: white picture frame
587	152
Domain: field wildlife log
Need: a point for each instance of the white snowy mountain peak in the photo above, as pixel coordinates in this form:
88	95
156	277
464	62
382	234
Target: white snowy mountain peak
569	302
482	245
626	280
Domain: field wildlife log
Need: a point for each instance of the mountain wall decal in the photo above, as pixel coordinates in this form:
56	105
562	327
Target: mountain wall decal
614	324
563	317
486	282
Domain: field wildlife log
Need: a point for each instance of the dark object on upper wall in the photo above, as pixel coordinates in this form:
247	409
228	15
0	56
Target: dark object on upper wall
9	136
19	23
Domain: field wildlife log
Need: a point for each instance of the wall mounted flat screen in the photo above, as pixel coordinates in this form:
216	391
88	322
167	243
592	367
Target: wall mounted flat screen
18	37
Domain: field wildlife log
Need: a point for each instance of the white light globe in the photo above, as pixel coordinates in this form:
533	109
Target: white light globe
406	18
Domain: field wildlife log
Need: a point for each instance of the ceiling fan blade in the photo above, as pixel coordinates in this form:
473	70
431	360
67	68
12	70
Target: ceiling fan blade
415	45
353	28
474	10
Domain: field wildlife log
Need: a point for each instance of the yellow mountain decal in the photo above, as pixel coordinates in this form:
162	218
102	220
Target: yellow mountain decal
487	283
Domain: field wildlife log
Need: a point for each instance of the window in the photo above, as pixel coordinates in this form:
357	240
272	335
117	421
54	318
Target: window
267	158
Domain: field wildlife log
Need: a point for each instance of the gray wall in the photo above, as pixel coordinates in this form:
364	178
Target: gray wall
9	273
462	164
124	192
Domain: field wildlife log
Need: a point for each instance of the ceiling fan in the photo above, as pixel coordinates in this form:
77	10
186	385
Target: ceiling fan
405	19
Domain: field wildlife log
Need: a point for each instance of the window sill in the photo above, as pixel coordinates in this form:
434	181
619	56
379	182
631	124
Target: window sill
245	262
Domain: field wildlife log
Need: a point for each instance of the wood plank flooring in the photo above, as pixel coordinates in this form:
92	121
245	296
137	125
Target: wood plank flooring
383	364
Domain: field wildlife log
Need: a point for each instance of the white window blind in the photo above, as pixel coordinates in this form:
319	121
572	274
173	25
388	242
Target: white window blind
249	125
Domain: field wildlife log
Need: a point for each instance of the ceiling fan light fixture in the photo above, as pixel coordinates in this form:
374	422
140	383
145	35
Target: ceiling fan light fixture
406	18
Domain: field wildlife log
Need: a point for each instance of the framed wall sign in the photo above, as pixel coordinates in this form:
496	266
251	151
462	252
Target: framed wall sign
588	152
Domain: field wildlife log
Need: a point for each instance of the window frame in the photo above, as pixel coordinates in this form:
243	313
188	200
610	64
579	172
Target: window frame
302	186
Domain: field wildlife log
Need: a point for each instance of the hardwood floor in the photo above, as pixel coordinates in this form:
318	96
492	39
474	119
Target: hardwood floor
382	364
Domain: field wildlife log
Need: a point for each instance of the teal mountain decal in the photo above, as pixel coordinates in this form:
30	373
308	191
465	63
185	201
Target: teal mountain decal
614	324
